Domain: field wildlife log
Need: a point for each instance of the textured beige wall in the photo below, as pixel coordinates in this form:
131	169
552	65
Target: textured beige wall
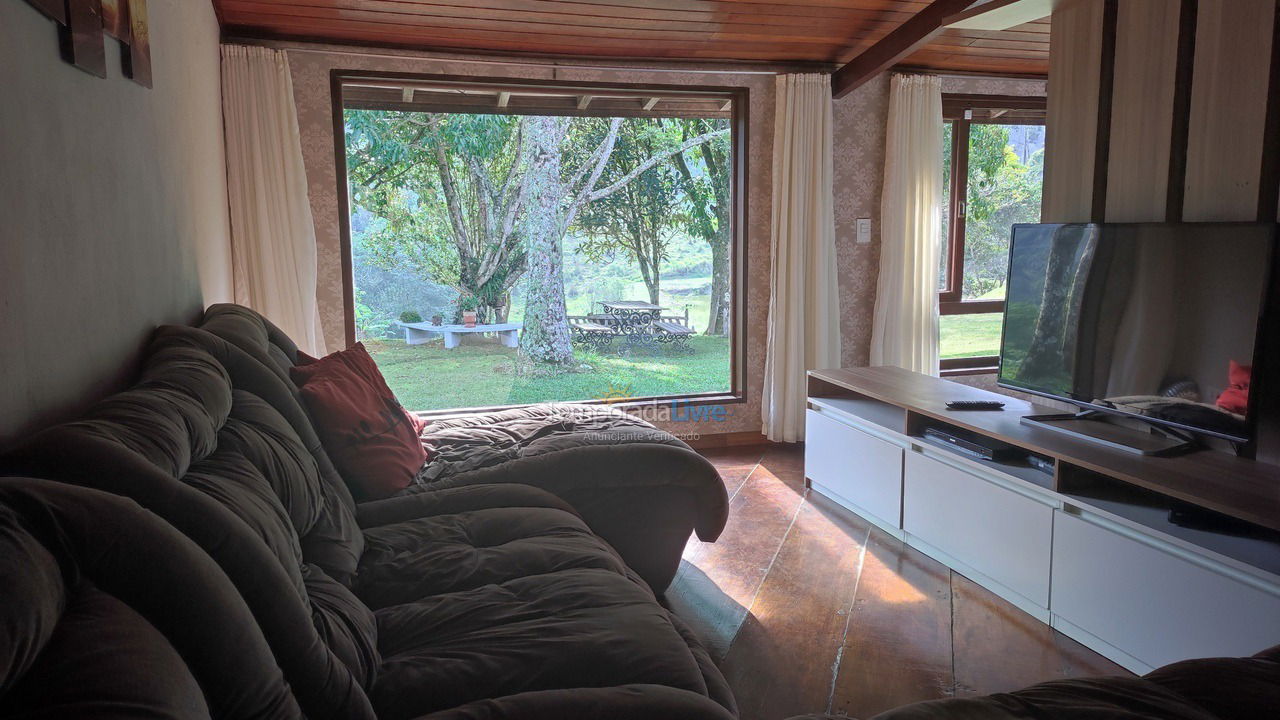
311	69
114	207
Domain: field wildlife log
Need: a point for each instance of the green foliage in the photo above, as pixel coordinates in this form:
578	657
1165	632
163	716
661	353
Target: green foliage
370	322
704	176
467	303
410	316
440	187
1002	191
638	221
437	212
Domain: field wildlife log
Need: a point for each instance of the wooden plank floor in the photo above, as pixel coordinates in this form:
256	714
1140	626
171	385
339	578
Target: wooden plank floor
808	608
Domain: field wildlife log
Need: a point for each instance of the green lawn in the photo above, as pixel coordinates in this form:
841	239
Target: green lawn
482	373
969	335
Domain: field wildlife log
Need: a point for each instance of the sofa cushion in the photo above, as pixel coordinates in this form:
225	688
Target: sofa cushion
103	661
185	428
447	553
574	628
372	439
1228	688
108	612
345	624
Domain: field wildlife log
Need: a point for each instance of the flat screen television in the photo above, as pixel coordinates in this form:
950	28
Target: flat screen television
1152	320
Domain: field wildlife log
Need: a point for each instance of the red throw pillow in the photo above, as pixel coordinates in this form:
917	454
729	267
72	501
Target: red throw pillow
1236	397
371	438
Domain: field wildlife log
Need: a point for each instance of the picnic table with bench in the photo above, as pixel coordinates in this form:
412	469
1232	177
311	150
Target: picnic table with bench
637	323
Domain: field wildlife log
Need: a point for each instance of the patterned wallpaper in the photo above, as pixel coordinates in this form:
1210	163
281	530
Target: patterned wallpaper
858	167
310	69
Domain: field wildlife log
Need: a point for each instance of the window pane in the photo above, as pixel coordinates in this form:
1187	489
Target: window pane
643	273
961	336
946	205
1006	174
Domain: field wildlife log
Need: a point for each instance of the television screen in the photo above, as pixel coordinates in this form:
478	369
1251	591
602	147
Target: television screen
1155	320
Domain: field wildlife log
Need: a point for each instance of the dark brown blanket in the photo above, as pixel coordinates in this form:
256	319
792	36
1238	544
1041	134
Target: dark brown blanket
479	441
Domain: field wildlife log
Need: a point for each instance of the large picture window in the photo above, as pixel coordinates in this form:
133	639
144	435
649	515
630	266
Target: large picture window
515	243
993	165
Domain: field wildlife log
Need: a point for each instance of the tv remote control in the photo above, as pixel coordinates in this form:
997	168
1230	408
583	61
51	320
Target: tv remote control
974	405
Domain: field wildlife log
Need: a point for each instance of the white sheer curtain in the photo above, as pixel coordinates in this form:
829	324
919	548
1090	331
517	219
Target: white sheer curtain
905	329
804	325
273	241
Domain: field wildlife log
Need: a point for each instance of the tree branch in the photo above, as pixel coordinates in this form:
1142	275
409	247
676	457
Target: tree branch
635	172
448	186
584	196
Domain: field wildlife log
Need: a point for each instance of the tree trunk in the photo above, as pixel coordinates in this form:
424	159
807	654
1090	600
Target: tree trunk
647	259
718	318
545	337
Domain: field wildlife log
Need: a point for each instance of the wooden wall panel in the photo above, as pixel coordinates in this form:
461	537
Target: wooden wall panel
1141	110
1228	109
1071	132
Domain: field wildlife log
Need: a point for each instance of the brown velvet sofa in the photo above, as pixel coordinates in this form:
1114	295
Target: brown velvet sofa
641	489
108	612
468	599
1203	689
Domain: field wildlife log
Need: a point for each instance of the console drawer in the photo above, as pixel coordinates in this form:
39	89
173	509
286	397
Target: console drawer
997	531
1154	603
852	466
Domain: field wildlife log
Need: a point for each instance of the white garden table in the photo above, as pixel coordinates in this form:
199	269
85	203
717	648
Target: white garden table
419	333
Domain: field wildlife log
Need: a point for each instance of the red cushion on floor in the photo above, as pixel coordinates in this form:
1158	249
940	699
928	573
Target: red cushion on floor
371	438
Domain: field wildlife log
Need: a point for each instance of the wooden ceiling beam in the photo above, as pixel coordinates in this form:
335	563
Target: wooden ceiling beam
896	46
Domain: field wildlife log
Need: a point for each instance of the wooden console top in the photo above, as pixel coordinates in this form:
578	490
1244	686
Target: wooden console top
1237	487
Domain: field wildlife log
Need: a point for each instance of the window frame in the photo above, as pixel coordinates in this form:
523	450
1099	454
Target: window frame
957	110
740	98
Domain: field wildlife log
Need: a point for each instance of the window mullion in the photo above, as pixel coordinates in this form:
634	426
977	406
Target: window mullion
957	205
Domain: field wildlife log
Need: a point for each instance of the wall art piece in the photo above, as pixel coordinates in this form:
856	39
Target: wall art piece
138	64
82	38
54	9
115	19
84	25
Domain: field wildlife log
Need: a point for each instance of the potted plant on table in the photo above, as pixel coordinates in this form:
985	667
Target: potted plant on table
467	304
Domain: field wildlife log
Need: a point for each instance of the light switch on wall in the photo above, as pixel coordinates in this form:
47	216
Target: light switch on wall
864	231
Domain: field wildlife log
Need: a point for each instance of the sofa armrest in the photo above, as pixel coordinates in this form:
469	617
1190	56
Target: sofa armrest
643	498
624	702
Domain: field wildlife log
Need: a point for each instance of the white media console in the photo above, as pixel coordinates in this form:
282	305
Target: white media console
1088	548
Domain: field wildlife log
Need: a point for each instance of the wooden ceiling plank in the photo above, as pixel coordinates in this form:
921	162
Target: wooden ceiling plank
521	45
592	13
544	30
795	31
895	46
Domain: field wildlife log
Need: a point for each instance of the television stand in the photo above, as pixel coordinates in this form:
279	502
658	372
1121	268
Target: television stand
1095	426
1144	558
